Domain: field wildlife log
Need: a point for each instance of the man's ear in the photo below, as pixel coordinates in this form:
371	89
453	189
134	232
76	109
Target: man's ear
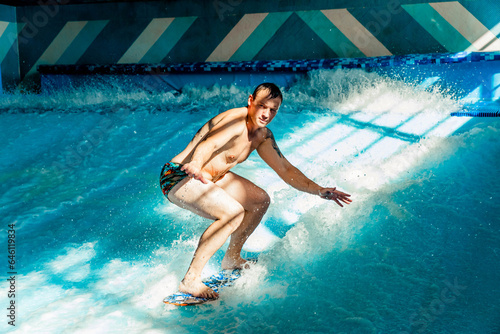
250	100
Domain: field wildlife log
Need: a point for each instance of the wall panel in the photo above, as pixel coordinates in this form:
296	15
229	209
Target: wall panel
224	30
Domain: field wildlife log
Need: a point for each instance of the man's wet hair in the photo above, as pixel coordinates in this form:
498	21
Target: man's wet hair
273	90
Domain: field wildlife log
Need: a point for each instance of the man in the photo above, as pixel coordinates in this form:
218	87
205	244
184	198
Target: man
198	179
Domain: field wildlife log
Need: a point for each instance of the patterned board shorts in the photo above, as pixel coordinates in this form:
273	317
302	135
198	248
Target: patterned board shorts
171	174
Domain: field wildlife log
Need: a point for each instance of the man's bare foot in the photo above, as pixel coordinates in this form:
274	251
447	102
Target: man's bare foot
238	263
197	289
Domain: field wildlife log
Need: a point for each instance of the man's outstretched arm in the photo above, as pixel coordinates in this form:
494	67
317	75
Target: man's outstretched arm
271	154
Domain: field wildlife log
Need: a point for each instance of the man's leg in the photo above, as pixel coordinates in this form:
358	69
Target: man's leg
212	202
255	201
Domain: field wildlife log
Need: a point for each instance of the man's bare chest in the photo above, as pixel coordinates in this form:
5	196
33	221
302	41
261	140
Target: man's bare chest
238	151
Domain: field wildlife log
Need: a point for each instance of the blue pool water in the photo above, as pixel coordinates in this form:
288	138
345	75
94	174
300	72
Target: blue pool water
98	247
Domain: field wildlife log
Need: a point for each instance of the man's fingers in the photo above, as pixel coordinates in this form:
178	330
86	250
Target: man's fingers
337	196
344	198
200	178
194	174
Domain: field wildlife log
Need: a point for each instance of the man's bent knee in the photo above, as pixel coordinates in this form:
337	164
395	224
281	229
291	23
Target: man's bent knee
266	200
262	201
235	217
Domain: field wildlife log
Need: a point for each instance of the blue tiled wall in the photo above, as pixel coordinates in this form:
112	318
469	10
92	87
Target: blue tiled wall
275	65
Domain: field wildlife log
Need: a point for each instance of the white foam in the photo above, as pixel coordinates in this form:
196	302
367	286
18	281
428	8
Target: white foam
119	277
73	265
260	240
350	91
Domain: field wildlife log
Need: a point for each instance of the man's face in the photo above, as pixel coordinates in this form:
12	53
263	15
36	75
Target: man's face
263	109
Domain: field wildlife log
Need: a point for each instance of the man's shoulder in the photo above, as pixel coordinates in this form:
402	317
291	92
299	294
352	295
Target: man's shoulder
266	133
236	112
232	120
263	134
235	116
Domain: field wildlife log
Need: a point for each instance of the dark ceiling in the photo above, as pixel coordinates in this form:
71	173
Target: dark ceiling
19	3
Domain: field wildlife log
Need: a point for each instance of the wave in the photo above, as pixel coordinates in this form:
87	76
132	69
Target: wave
343	90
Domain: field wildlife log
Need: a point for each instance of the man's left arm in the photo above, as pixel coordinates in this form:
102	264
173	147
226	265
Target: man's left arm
269	152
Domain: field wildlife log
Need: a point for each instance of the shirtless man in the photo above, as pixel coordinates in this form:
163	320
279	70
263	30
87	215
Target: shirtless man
198	179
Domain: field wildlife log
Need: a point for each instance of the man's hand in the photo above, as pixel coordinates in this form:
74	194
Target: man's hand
335	195
194	171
